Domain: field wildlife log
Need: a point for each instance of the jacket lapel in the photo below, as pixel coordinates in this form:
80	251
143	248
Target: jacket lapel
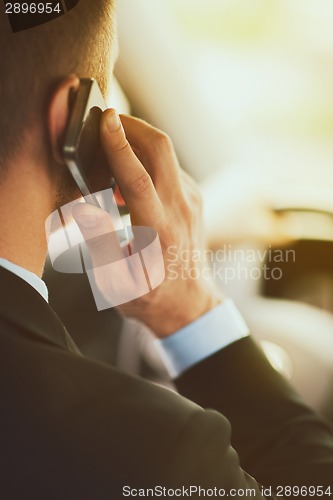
22	306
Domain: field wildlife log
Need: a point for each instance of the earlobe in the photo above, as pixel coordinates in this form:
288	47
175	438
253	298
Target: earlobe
58	114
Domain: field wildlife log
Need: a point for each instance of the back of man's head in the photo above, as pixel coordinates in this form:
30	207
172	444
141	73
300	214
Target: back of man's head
32	62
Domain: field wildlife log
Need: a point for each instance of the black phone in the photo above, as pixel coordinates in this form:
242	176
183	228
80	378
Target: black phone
81	149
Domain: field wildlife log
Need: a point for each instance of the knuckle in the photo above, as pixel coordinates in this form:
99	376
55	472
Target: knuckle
193	196
97	244
163	141
186	211
192	200
141	184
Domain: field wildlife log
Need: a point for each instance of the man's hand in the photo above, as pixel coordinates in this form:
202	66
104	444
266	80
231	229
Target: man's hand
159	195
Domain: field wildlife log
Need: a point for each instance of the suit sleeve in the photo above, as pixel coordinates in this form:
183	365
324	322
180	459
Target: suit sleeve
279	440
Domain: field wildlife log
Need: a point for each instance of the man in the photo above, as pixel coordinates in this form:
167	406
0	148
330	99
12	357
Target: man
73	428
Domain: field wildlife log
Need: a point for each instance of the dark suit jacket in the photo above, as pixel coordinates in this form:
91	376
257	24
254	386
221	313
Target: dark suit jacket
99	335
73	428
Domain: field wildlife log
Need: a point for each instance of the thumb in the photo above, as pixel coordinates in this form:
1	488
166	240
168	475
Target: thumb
99	234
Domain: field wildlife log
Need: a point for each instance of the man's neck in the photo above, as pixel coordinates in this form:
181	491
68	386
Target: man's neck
24	207
33	256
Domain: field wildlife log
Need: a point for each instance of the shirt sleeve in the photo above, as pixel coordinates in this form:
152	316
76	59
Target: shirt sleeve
198	340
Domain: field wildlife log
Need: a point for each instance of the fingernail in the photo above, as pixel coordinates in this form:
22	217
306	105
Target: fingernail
86	220
113	121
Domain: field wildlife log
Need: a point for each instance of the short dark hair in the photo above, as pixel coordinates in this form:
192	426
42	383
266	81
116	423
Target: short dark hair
33	62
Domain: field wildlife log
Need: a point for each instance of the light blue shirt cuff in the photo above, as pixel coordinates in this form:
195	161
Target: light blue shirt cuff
213	331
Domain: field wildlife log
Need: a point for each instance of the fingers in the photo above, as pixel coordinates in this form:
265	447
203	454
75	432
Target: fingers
99	234
120	274
134	181
156	150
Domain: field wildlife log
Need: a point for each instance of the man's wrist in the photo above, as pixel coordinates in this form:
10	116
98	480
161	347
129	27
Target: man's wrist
168	320
200	339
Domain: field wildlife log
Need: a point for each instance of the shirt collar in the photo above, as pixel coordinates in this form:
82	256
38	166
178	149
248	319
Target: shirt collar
27	276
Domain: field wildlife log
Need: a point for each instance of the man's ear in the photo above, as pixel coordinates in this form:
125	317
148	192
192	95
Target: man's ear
58	114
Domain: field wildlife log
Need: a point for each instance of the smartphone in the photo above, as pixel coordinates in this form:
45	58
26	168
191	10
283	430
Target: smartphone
81	149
